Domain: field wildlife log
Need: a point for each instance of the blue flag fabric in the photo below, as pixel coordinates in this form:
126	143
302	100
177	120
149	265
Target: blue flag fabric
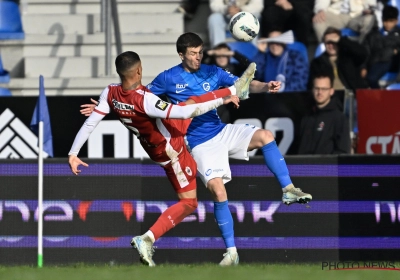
41	113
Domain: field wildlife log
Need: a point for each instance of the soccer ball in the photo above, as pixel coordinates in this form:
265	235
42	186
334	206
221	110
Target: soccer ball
244	26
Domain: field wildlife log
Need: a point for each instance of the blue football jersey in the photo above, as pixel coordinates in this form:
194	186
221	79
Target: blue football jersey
179	85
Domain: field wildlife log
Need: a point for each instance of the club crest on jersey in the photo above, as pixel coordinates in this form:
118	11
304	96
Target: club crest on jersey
188	171
161	105
206	86
122	106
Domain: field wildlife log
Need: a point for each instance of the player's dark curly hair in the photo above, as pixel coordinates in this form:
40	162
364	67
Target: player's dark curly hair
188	40
125	61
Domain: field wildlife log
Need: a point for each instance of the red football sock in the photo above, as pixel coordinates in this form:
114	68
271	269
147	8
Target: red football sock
211	95
173	216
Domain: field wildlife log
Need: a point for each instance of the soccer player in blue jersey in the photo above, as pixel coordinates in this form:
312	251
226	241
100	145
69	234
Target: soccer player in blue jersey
213	142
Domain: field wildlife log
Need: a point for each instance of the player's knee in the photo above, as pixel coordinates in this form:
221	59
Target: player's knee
191	202
217	189
267	136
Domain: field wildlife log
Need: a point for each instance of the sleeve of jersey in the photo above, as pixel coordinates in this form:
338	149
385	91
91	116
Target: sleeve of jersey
91	122
158	85
157	108
103	108
226	78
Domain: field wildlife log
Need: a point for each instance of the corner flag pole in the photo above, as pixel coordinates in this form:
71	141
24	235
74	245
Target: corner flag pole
40	197
40	125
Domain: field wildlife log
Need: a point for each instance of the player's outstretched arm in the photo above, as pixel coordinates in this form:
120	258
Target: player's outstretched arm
74	163
194	110
156	108
258	87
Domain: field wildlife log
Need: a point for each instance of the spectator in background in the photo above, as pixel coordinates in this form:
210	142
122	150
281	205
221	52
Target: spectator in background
221	56
342	59
326	130
221	13
287	15
357	15
188	8
384	47
280	63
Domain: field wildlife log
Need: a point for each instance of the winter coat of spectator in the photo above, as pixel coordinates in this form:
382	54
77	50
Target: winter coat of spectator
343	59
326	130
287	15
279	63
383	46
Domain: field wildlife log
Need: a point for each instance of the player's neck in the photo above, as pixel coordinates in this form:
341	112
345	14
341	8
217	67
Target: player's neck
127	85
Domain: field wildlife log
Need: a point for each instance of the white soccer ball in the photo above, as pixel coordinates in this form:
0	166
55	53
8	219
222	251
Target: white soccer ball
244	26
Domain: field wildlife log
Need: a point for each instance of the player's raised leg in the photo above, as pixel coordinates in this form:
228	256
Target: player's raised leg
276	164
243	83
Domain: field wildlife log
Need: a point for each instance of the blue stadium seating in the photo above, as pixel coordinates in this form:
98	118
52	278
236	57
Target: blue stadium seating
394	86
10	21
301	48
5	92
349	32
245	48
4	77
319	50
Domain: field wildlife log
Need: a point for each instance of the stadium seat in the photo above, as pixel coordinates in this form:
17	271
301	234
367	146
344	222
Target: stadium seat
301	48
319	50
349	32
394	86
5	92
10	21
388	78
4	77
245	48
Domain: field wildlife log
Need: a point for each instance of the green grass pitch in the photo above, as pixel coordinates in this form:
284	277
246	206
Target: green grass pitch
190	272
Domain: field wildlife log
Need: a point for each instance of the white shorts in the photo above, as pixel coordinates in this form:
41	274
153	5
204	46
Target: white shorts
212	157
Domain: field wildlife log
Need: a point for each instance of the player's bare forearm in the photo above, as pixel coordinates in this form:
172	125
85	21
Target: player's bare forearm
74	163
258	87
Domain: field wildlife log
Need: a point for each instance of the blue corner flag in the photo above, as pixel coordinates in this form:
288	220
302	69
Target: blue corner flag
41	114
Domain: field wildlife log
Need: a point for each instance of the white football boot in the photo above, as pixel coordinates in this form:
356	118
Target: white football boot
230	259
243	83
293	195
145	248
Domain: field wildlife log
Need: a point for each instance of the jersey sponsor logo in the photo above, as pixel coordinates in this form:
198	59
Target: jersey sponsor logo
206	86
321	126
181	87
209	171
122	106
16	139
188	171
161	105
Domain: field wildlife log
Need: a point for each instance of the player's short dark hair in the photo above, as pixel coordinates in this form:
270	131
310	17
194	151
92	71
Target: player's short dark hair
390	12
188	40
322	75
125	61
331	30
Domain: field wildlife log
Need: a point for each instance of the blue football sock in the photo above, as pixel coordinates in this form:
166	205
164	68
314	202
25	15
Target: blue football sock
276	163
224	220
